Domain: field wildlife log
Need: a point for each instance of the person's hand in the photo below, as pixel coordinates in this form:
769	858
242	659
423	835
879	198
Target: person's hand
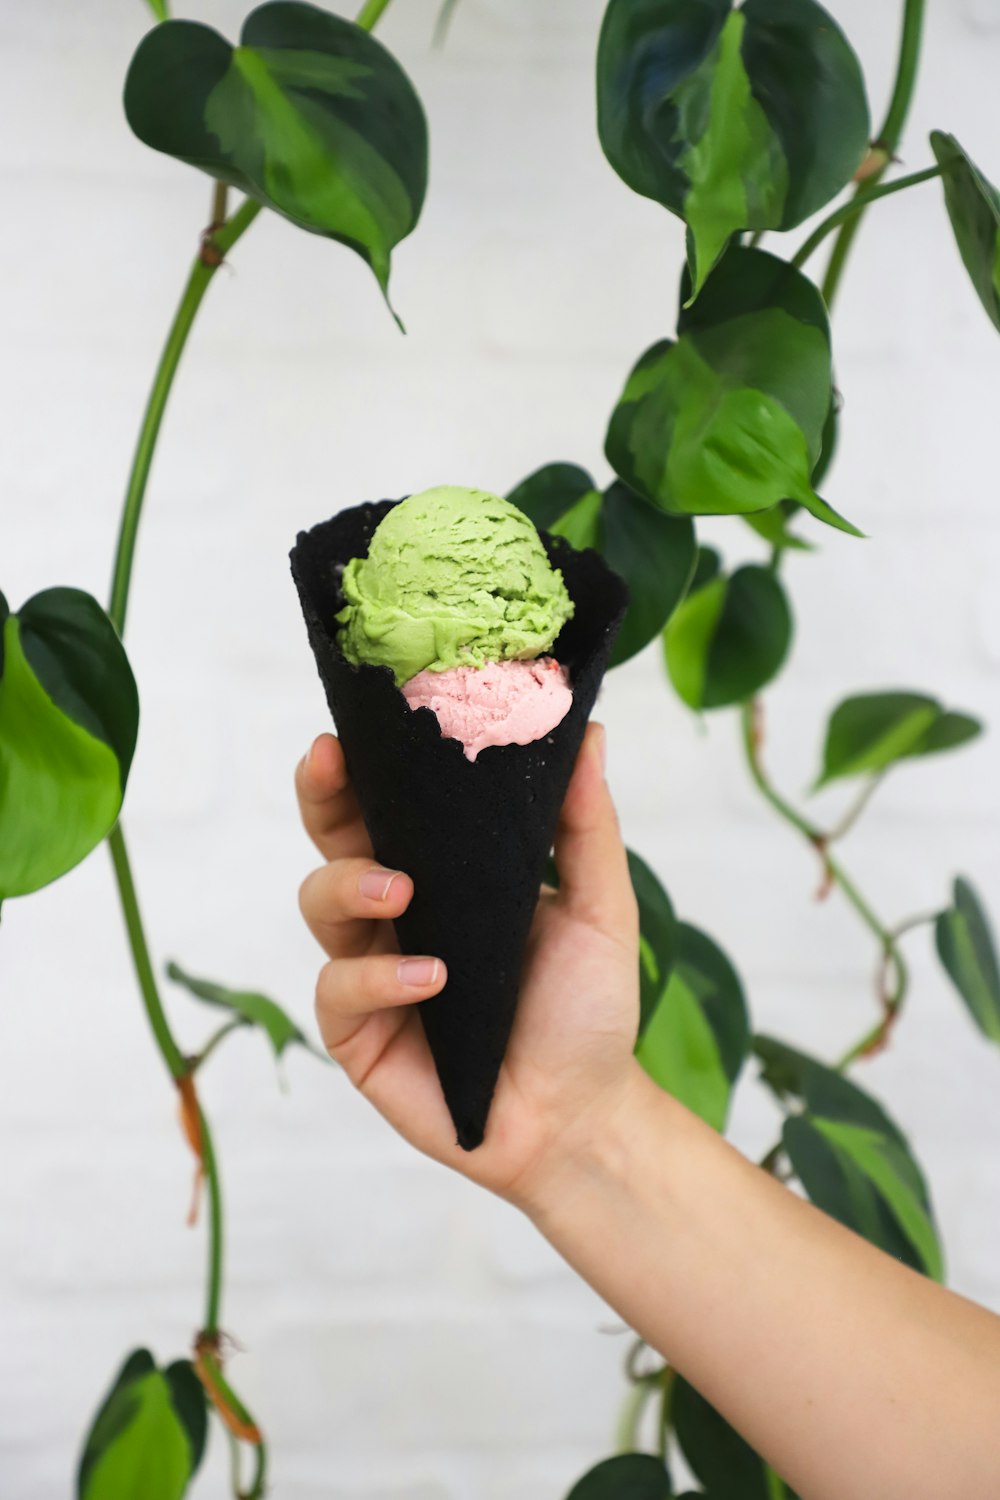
569	1064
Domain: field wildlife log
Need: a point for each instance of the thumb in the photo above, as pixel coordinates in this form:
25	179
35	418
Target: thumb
593	868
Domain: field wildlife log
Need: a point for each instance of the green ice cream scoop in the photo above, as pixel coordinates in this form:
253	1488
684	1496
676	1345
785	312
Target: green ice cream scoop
453	578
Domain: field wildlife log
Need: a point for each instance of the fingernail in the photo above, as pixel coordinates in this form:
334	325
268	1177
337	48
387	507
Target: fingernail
374	884
307	759
419	972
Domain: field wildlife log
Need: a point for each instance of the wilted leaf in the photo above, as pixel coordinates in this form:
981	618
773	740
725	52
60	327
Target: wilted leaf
252	1008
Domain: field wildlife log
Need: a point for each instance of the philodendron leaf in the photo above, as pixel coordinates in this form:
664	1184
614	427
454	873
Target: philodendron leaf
69	714
852	1160
872	731
630	1476
966	948
653	552
658	935
729	418
728	638
697	1038
251	1008
748	118
148	1436
772	525
973	205
309	115
723	1461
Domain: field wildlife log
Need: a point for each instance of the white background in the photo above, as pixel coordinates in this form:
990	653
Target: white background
405	1336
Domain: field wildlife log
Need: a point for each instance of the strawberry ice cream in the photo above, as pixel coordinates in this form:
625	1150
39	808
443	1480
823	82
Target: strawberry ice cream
501	703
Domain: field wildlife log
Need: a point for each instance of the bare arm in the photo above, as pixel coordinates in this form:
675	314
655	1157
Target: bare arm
853	1376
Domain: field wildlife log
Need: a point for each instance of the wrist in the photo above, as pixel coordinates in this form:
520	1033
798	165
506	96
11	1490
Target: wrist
600	1155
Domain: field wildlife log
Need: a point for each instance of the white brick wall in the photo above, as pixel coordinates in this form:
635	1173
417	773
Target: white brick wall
406	1338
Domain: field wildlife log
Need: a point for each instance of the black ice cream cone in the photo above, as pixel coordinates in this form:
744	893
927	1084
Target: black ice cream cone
473	836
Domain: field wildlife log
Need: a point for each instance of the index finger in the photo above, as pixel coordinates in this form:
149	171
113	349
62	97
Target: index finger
327	804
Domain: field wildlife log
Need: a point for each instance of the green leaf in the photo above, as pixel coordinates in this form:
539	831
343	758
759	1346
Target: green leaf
696	1040
728	638
159	9
729	418
732	119
868	1182
793	1075
69	715
551	491
852	1159
253	1009
722	1460
653	552
707	566
872	731
772	525
657	936
973	205
148	1436
631	1476
309	115
968	952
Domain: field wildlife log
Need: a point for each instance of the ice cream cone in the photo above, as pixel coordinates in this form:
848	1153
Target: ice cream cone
473	836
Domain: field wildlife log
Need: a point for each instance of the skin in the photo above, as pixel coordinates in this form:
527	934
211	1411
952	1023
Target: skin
853	1376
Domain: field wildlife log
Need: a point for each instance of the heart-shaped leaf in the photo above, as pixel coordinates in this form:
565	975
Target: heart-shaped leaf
653	552
973	205
872	731
630	1476
69	714
697	1038
749	118
251	1008
869	1183
723	1461
729	418
728	638
852	1160
657	936
149	1435
968	952
309	115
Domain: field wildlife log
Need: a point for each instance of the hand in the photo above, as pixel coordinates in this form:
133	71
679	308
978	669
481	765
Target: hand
569	1061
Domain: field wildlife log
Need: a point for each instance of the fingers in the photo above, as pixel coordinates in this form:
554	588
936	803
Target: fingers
351	992
343	900
593	868
329	809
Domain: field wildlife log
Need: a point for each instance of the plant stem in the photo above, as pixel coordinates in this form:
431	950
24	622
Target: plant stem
888	138
835	874
214	247
636	1399
237	1024
213	1293
856	808
370	12
857	205
148	987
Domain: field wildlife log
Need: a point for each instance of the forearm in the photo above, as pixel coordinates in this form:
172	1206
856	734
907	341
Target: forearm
852	1375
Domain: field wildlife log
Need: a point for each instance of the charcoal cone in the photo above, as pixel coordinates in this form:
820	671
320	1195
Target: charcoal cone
474	836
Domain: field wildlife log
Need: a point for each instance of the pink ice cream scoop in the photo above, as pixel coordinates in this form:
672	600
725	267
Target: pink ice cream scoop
502	703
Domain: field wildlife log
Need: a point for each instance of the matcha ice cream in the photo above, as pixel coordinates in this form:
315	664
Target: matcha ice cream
453	578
